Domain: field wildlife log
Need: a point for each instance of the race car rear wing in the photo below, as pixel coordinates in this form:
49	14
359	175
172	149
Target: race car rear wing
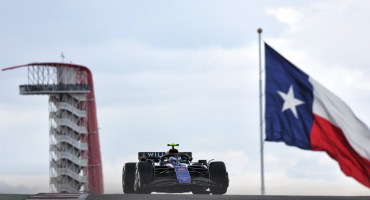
142	156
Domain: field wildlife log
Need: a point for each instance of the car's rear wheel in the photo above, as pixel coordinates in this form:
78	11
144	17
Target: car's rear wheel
144	175
219	175
128	178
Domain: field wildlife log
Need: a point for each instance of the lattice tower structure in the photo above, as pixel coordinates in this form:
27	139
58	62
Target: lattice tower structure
75	158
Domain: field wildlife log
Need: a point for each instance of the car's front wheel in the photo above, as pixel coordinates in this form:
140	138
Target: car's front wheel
128	177
144	175
219	175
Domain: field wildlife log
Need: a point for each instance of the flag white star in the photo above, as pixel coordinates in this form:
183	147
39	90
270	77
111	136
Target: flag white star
290	102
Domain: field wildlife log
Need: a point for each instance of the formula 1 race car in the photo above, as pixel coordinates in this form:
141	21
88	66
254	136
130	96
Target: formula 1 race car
174	172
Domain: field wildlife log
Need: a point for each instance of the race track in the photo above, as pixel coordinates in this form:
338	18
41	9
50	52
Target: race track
213	197
80	196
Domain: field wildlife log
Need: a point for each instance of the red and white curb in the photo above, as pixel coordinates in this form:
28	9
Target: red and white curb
62	196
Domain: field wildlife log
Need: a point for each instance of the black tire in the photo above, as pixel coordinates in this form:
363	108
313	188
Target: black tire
128	178
144	175
219	175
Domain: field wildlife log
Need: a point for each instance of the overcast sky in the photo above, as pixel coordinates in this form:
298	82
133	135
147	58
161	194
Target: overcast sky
183	72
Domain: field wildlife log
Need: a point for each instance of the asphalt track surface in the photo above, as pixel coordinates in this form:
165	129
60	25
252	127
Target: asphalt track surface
13	196
177	197
214	197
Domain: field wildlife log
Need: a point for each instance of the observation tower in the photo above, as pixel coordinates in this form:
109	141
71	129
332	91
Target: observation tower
75	160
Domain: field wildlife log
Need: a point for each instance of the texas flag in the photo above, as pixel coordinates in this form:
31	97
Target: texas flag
303	113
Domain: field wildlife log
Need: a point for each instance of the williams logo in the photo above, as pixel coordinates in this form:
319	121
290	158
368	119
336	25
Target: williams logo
154	154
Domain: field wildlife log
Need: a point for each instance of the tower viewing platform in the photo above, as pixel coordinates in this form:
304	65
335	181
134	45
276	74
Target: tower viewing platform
54	89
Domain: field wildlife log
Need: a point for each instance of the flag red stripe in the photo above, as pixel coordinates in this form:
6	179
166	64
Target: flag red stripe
329	138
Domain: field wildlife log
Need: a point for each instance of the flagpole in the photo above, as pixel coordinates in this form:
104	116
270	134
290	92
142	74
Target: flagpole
261	118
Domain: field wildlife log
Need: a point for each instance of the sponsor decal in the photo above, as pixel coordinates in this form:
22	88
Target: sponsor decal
154	154
182	174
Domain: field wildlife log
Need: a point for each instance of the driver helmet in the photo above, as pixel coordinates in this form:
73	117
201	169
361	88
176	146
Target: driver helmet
173	160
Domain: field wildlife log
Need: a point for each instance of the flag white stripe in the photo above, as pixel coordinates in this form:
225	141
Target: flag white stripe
329	106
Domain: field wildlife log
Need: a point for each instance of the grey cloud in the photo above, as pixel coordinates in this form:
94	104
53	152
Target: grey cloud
19	189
